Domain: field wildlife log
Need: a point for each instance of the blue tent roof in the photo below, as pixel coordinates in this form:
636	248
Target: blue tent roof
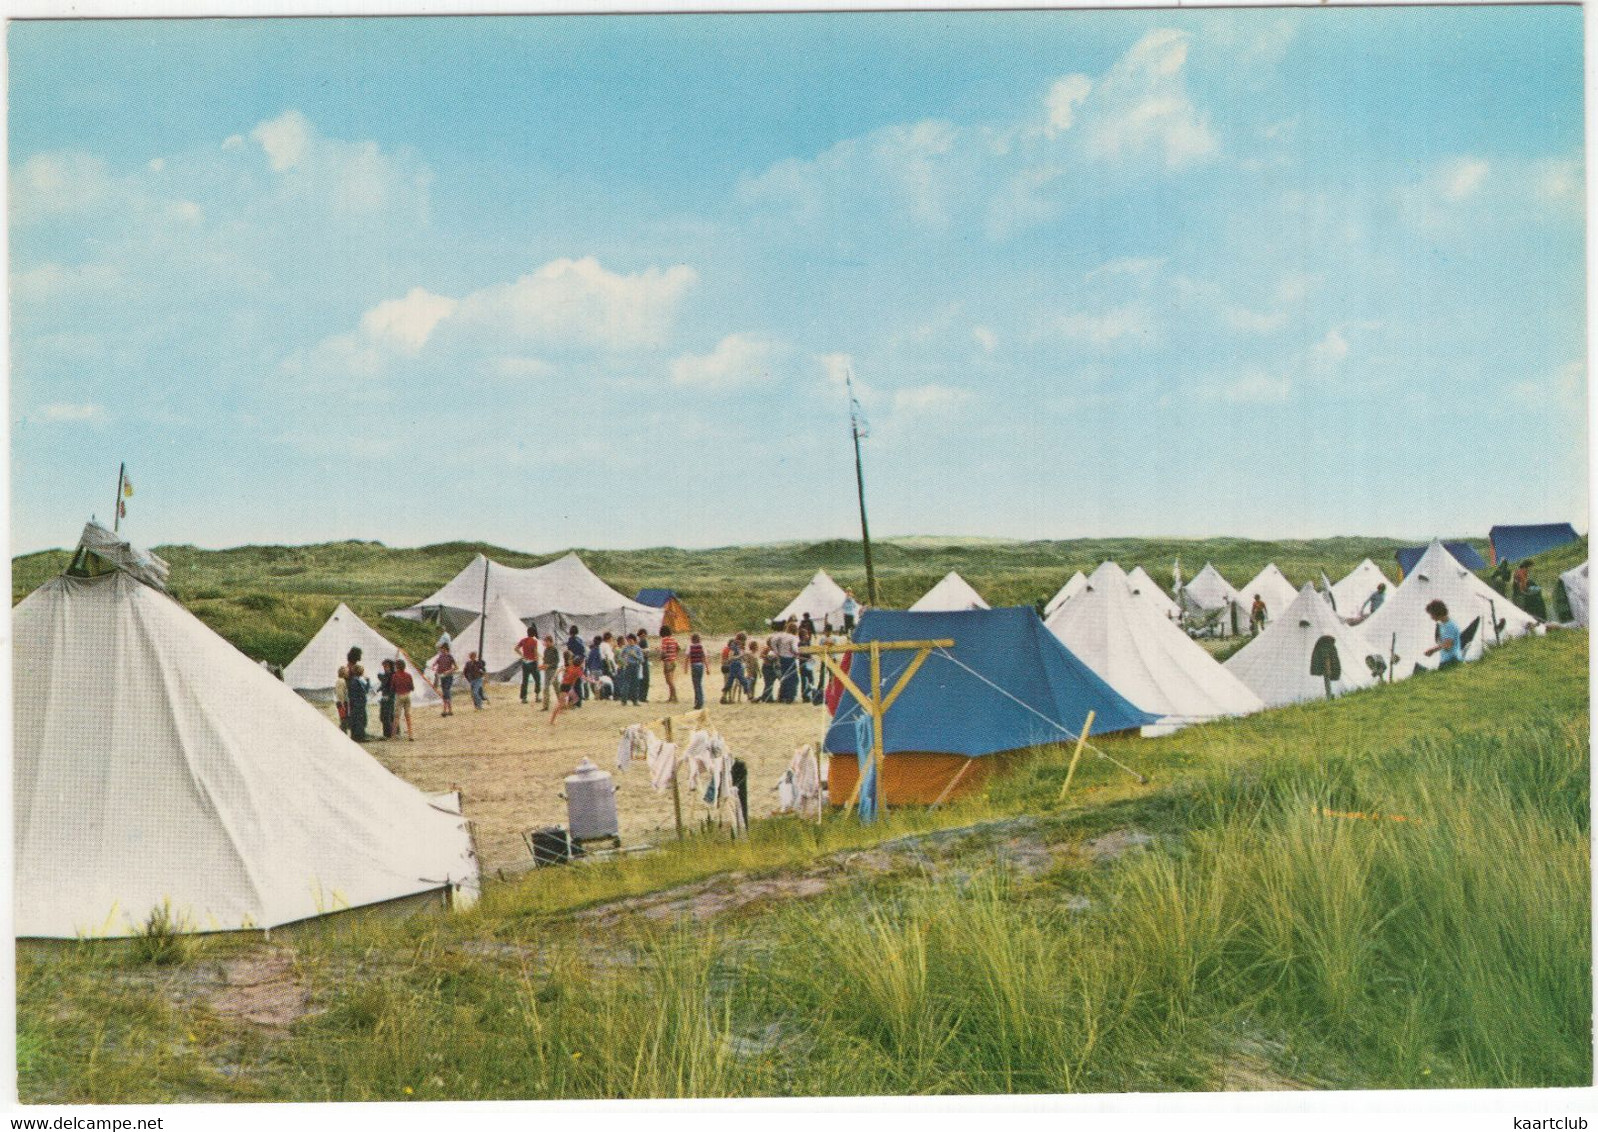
1468	558
657	599
1512	544
1010	684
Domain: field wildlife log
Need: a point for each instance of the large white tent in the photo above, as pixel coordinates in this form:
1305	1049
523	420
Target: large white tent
1276	664
313	672
1351	593
952	594
157	767
1208	592
494	638
550	598
1149	590
1401	626
1144	656
1575	583
1065	593
822	598
1273	588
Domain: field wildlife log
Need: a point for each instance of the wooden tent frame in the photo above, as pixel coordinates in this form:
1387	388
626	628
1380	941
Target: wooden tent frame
875	703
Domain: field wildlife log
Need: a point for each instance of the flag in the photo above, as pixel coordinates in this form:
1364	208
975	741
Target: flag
857	415
122	509
127	487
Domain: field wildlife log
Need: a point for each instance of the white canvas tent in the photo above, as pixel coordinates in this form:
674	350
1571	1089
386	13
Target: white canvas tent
500	633
1575	582
1402	626
1276	664
1065	593
156	766
1274	589
1208	592
822	598
1149	590
1351	593
313	672
952	594
549	598
1145	657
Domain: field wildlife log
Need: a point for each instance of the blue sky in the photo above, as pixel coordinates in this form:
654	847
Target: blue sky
594	280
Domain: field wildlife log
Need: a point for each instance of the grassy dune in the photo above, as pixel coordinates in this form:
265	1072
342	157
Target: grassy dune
1253	941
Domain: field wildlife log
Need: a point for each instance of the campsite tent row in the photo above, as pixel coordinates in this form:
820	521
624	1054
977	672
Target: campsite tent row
999	690
199	783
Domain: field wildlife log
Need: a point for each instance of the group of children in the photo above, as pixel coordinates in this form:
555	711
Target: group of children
394	687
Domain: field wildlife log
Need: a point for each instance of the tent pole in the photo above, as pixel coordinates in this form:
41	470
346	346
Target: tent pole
1081	741
482	617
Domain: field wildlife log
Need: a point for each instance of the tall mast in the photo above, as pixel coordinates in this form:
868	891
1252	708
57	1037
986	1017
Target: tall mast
858	428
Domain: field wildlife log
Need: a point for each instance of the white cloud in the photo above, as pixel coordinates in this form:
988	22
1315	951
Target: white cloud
1329	350
909	164
285	139
1463	178
1559	181
578	301
985	337
51	282
1104	327
1063	99
1246	321
59	185
1257	388
521	368
65	412
836	368
738	359
407	323
1142	107
1126	265
566	304
930	399
233	141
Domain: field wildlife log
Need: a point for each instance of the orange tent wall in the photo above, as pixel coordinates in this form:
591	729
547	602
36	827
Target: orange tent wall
916	777
675	617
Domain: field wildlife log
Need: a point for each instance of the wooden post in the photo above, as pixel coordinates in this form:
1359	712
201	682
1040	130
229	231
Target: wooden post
1081	741
953	782
876	725
676	792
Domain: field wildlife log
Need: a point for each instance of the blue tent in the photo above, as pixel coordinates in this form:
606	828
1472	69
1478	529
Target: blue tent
655	598
1008	683
1463	551
1514	544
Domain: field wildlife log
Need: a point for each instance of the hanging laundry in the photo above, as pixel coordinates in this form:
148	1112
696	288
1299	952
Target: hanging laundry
662	759
634	744
698	757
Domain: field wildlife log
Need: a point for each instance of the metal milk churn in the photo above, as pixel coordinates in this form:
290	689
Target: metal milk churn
591	803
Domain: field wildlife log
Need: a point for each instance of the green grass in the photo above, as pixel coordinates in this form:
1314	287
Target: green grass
270	600
1256	935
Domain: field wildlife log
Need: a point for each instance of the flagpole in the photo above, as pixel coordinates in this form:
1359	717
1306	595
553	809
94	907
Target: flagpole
860	490
116	510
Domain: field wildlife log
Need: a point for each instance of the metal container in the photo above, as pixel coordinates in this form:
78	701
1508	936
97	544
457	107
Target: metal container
591	803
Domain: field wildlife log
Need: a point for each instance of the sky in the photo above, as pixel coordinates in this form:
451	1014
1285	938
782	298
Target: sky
597	281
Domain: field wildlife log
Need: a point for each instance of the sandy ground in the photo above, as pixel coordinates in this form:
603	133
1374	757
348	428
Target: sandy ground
509	762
